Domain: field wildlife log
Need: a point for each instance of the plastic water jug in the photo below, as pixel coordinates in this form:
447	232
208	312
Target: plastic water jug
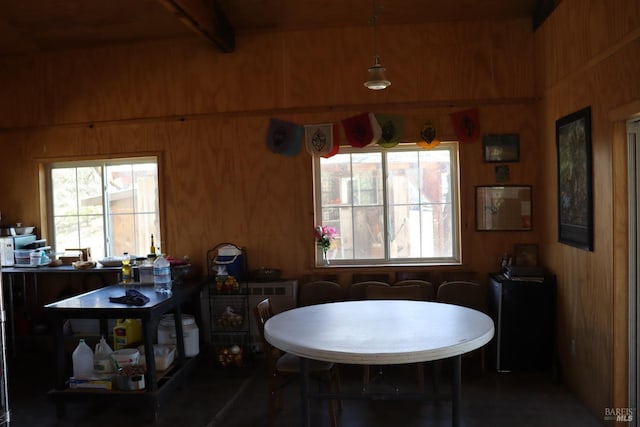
82	361
102	362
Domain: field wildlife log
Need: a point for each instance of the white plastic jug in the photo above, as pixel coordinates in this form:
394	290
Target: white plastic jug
102	362
82	361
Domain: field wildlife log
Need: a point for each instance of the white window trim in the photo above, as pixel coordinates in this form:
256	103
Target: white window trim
48	166
455	259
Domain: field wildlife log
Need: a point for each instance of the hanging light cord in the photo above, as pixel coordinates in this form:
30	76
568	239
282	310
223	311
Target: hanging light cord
373	21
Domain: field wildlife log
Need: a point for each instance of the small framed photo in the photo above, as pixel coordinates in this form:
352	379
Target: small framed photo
525	254
502	173
501	148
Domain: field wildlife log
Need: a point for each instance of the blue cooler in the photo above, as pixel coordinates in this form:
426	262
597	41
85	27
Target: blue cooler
230	257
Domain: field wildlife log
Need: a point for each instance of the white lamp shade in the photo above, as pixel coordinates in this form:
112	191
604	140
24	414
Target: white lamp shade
377	79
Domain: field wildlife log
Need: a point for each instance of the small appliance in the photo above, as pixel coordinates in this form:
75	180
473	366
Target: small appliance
9	244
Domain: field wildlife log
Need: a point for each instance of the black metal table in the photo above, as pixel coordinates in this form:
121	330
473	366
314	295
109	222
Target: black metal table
96	305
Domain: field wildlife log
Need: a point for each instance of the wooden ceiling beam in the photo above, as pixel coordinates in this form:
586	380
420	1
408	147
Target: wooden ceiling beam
206	18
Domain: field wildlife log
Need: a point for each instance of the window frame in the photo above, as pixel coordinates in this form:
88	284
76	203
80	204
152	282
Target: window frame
456	240
46	166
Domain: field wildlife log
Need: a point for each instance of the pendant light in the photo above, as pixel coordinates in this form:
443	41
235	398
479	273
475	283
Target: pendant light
377	79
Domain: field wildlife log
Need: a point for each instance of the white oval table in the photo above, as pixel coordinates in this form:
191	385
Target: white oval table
379	332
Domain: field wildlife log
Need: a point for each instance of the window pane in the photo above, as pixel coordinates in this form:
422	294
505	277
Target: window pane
366	179
65	196
120	188
67	231
368	233
92	235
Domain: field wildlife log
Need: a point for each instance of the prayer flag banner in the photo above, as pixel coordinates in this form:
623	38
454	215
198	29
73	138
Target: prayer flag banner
466	125
284	137
391	127
319	139
361	130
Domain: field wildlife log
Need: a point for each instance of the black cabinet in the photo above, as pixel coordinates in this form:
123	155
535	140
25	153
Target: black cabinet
524	315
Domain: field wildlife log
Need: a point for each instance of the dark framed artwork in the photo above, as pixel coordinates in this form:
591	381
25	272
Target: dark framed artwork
575	192
503	208
501	148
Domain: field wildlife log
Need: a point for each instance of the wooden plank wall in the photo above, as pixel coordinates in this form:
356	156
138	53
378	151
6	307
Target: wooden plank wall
587	53
207	114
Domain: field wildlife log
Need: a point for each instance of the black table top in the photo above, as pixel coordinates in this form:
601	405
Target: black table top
96	304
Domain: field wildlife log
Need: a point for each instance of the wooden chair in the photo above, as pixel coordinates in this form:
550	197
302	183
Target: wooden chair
367	277
467	294
462	292
428	290
283	367
358	291
413	275
319	292
398	292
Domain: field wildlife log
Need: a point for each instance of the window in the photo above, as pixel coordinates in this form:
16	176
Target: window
390	206
109	206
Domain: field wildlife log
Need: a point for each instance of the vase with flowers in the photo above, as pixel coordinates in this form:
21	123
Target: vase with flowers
324	236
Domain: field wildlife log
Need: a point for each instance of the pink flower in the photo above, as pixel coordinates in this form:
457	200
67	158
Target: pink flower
325	235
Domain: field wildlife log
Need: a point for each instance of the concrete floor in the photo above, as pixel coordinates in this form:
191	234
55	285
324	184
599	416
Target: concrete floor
215	397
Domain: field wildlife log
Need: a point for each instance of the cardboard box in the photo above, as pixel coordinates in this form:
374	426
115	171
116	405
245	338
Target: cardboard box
98	383
164	355
68	259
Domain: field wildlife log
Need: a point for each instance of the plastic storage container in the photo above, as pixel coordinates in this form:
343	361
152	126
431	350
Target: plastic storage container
125	357
191	333
126	333
164	354
145	274
23	256
230	257
82	361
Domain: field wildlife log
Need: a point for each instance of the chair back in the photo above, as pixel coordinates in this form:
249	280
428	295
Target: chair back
427	288
413	275
367	277
263	311
319	292
358	291
402	292
464	293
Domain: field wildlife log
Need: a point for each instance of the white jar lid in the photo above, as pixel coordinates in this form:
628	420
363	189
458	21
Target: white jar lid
168	321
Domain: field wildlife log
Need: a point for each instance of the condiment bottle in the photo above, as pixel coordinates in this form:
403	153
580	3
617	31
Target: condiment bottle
126	268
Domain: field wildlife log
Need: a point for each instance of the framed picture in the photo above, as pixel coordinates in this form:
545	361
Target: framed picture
503	208
502	173
501	148
525	254
575	194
